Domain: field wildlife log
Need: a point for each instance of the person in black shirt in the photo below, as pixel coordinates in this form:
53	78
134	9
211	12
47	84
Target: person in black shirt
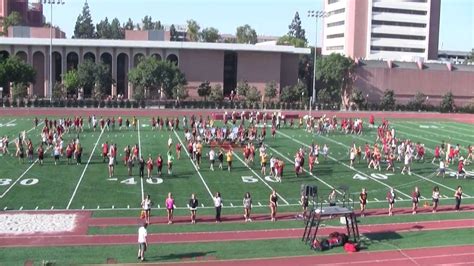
141	164
193	204
273	205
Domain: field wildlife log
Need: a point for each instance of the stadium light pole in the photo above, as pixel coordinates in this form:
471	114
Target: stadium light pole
51	3
316	14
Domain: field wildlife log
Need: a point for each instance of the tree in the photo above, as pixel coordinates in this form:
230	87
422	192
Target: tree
388	100
19	90
295	29
104	30
147	23
14	70
103	80
59	92
84	28
271	90
336	72
153	75
245	34
129	25
71	82
117	32
193	30
217	94
295	93
14	19
470	58
210	35
204	90
180	92
173	33
358	99
447	104
253	95
242	88
418	101
86	76
293	41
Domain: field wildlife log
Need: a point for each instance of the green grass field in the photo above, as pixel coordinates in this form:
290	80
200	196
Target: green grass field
29	186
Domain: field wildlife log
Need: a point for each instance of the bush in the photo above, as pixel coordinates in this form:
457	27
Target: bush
128	104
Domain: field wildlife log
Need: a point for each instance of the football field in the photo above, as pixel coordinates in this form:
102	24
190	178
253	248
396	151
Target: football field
31	186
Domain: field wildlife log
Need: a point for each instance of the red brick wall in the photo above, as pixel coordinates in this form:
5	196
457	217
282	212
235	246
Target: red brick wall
258	68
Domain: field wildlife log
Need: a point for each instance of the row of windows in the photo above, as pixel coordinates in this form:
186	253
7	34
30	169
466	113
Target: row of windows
337	47
398	23
398	11
333	1
332	36
337	23
397	49
335	12
398	36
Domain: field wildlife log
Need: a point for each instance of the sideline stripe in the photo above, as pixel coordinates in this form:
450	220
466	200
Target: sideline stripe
140	154
195	167
352	168
84	171
259	177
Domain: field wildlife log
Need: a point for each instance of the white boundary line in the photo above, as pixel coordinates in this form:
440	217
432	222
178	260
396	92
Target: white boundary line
352	168
195	167
84	171
311	174
259	177
140	154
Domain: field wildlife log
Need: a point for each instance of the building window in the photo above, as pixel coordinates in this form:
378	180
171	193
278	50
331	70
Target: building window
333	1
337	11
397	49
337	47
399	11
398	36
338	35
333	24
398	23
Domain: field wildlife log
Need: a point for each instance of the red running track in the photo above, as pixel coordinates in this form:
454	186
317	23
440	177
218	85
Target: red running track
450	255
190	237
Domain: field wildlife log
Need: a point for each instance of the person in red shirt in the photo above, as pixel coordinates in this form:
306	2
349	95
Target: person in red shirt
120	122
149	166
105	151
135	152
415	199
461	170
40	154
437	154
178	150
159	164
371	121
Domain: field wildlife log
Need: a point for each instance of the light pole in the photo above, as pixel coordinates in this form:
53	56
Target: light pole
50	82
317	15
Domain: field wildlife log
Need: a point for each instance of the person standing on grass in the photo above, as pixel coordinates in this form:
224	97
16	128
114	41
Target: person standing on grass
111	165
435	196
247	203
332	198
461	171
218	205
363	201
149	166
170	162
40	152
141	165
263	163
457	197
304	202
415	199
142	242
442	168
159	164
229	159
169	202
212	158
193	204
220	156
273	205
178	150
129	166
146	206
391	201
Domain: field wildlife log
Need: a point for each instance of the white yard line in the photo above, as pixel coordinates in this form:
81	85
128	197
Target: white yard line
84	171
140	154
259	177
308	172
352	168
13	184
432	132
195	167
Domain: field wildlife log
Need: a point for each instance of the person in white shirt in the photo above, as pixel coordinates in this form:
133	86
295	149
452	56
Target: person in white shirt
272	166
212	158
142	242
407	163
442	168
218	205
170	142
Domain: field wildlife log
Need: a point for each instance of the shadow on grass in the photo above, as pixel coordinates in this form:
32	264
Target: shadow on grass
182	256
372	239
